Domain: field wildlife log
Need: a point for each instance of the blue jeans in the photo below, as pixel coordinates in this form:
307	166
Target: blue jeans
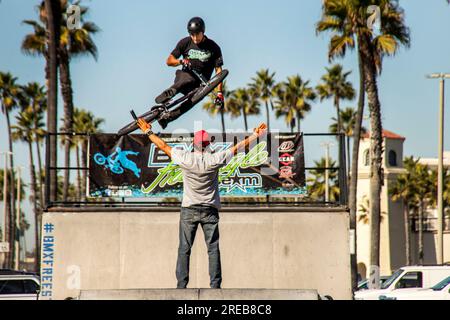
190	218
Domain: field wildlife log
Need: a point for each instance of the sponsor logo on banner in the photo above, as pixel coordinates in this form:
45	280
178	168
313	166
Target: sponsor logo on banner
286	159
287	185
286	172
286	146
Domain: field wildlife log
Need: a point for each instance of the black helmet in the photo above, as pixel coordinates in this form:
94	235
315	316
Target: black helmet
196	25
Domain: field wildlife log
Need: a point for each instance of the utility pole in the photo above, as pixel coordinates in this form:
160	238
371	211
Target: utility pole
440	199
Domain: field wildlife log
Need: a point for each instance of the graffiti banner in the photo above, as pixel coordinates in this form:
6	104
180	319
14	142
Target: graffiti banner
132	166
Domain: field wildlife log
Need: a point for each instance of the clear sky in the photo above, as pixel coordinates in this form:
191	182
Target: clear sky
137	36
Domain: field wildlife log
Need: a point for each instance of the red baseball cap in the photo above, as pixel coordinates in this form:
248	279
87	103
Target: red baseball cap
201	138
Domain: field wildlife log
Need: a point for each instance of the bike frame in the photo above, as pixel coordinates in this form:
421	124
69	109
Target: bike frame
203	81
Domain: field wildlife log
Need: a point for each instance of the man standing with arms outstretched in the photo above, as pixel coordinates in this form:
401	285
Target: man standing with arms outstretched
201	201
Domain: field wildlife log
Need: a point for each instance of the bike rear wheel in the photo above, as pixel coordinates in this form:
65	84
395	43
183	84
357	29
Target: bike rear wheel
211	84
149	116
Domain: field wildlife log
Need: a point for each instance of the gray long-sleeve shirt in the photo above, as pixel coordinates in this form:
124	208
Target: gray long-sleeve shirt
200	175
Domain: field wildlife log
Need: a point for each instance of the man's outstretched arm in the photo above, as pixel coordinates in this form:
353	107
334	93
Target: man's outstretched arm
147	129
257	132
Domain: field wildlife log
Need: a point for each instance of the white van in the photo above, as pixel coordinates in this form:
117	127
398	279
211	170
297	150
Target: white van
406	278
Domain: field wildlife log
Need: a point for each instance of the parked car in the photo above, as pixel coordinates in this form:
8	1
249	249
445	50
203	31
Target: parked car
364	284
440	291
18	285
406	278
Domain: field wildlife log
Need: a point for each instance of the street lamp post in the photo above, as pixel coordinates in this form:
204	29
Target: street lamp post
440	199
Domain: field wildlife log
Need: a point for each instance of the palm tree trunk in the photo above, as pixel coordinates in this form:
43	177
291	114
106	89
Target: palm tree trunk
375	149
67	94
78	173
11	200
84	165
338	116
53	10
348	156
222	119
421	210
245	118
34	202
38	152
267	116
40	184
354	170
298	122
407	233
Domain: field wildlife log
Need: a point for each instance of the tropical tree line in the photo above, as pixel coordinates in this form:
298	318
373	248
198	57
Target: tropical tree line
24	107
291	99
51	39
417	190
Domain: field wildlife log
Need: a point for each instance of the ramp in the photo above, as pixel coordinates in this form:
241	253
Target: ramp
199	294
261	248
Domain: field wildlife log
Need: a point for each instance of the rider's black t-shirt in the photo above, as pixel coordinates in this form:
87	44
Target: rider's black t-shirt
204	56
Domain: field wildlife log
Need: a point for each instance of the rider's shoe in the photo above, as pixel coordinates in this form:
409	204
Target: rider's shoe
163	123
166	95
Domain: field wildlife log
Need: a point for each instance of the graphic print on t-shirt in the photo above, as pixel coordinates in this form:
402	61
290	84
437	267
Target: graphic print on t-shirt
203	56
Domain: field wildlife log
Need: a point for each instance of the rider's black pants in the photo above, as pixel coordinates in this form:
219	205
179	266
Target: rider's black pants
184	83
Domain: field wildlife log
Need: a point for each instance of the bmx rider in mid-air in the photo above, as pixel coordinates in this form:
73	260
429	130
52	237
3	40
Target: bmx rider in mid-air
198	53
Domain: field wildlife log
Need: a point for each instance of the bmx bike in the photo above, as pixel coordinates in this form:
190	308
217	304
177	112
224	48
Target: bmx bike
162	111
109	162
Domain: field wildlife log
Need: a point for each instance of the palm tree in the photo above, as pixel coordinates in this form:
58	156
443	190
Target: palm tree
316	182
24	226
263	85
84	122
12	188
53	28
73	43
242	101
347	20
364	213
23	131
348	120
293	100
335	85
404	190
9	96
36	96
213	109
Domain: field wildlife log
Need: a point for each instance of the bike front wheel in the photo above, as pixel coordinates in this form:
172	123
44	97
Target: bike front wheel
210	85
